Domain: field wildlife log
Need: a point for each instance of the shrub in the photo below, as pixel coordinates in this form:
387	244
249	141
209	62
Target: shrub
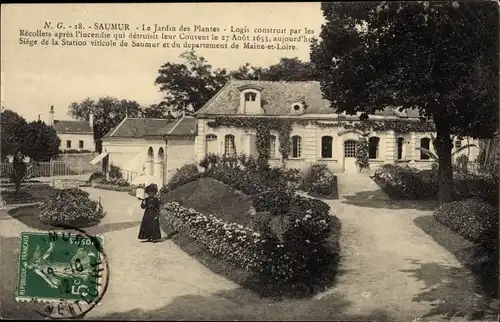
473	219
184	174
115	172
113	187
70	207
462	162
319	179
245	247
96	175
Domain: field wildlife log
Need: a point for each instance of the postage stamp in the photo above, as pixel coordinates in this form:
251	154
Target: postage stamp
64	268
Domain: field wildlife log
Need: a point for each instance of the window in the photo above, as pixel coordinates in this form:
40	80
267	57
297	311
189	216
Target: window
296	107
250	97
458	144
425	144
68	144
80	144
229	148
272	146
400	142
350	149
373	147
326	147
211	137
296	146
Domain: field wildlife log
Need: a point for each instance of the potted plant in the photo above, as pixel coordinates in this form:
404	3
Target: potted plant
139	192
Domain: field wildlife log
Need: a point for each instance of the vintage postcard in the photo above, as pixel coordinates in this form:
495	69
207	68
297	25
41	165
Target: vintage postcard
331	161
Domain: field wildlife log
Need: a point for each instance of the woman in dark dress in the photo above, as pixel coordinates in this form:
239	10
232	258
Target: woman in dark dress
150	226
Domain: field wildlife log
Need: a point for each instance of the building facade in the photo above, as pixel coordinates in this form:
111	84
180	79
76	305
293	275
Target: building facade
150	147
317	134
74	135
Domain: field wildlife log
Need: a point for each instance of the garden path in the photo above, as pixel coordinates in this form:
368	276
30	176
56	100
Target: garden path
388	262
390	269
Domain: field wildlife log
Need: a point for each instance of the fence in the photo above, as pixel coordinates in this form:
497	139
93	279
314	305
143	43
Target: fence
52	168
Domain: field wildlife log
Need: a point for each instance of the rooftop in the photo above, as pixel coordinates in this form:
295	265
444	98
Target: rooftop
147	127
277	98
72	127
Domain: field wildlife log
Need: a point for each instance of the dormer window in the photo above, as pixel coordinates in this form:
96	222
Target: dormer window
250	97
297	108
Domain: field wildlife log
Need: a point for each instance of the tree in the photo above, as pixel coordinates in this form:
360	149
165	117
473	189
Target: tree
20	139
194	82
108	113
438	57
156	111
41	141
191	83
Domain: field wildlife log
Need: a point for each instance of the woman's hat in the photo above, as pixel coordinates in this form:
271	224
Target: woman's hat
152	188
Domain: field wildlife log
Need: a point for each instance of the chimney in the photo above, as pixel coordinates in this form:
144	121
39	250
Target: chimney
51	116
91	121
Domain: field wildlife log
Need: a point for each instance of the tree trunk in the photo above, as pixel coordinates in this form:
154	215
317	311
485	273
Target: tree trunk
445	173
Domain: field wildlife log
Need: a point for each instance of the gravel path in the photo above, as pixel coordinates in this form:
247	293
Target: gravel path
391	270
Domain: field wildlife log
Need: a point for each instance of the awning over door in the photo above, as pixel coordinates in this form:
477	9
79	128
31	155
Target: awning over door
98	158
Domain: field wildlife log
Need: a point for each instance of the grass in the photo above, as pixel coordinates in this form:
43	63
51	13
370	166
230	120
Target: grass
473	256
209	196
27	194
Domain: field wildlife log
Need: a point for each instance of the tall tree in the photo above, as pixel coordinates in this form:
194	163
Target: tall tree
289	69
41	141
438	57
21	139
108	113
191	83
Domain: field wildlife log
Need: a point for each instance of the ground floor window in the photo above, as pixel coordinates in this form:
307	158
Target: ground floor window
296	146
229	145
400	143
373	144
350	149
272	146
68	144
425	144
326	147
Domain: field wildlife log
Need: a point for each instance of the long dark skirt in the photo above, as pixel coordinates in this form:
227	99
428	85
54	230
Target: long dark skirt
150	227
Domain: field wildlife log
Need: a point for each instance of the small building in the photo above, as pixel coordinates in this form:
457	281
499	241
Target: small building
152	147
74	135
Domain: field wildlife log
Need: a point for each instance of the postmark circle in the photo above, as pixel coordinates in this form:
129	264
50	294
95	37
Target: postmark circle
70	269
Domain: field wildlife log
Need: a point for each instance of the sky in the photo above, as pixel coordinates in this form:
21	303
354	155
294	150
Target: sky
34	78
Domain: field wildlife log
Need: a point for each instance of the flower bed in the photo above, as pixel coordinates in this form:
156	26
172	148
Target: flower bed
404	182
279	266
472	218
112	184
291	255
71	207
319	181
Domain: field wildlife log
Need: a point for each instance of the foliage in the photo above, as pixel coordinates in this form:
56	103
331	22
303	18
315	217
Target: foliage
96	175
362	157
450	84
157	111
42	142
471	218
115	172
263	127
318	179
71	207
108	112
404	182
184	174
462	162
192	83
113	186
70	151
366	125
20	139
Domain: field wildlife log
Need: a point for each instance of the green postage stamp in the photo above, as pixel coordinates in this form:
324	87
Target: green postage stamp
59	266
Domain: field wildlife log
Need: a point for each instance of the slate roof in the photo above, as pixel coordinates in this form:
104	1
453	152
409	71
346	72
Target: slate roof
72	127
146	127
277	98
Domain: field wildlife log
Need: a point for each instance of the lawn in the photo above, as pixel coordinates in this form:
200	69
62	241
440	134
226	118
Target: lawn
27	194
469	254
210	196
